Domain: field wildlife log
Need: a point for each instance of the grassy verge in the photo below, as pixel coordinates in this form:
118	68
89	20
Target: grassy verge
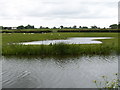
108	46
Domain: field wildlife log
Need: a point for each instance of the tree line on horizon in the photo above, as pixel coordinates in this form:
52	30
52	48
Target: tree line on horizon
113	26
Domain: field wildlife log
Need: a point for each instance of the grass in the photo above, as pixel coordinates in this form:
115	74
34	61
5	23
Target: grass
109	85
109	45
54	29
22	37
57	49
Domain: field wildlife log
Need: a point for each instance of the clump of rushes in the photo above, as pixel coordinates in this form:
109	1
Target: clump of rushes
58	49
108	84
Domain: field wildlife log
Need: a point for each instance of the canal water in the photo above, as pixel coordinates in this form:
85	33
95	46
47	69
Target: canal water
76	72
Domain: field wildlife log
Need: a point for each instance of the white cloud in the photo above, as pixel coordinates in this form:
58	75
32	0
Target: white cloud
56	11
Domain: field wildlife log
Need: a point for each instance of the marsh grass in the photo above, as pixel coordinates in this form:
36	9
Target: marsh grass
59	49
108	46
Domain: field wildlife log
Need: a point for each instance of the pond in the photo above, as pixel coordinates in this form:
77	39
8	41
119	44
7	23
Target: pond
76	72
75	40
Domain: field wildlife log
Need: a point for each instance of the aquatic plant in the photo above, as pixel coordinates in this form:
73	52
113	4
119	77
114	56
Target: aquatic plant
110	85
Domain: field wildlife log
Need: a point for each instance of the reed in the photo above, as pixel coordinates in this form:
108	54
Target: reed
59	49
108	46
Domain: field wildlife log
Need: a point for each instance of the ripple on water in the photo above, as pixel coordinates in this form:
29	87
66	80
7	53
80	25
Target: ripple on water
52	73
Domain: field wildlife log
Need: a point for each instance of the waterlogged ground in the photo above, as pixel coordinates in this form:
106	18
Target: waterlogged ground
75	40
74	72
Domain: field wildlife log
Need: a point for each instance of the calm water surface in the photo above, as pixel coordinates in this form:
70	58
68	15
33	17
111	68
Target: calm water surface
75	40
57	73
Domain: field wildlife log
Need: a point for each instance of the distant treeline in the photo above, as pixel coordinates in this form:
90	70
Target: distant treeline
21	27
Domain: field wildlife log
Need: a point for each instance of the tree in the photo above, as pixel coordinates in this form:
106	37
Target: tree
104	28
29	27
61	27
119	25
85	27
41	27
80	27
69	27
66	27
21	27
94	27
54	28
46	27
114	26
74	27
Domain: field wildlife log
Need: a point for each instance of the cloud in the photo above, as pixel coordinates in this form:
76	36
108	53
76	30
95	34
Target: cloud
57	9
75	10
119	12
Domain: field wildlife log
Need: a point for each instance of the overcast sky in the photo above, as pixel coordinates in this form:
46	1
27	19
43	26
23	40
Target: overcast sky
58	12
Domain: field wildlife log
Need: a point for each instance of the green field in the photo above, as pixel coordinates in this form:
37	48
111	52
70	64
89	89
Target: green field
109	45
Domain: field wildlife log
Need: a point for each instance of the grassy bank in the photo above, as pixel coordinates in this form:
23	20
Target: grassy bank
109	45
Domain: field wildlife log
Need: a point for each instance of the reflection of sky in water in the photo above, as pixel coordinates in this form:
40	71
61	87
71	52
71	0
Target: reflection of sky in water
1	72
57	73
77	40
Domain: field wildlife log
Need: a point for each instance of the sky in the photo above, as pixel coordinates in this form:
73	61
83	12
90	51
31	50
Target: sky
50	13
119	11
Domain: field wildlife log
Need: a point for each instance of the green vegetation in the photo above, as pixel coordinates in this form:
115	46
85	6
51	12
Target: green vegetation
108	84
56	29
21	27
114	26
8	48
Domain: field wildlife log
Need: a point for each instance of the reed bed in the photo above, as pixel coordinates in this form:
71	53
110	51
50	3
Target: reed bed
108	46
59	49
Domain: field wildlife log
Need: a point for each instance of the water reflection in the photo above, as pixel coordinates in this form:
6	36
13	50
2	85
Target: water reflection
77	40
76	72
1	71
